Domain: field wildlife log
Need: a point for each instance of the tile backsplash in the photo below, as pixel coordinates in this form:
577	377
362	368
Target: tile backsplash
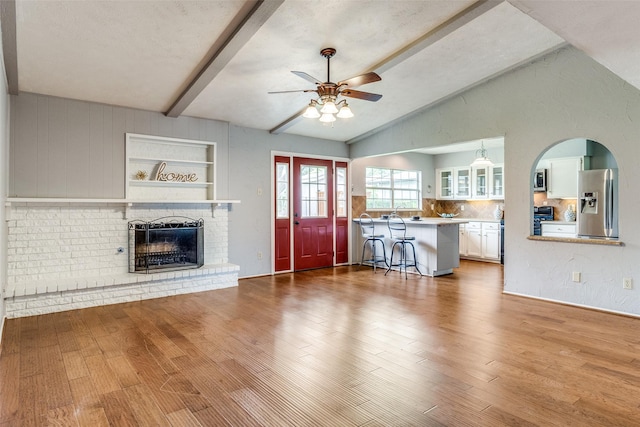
478	209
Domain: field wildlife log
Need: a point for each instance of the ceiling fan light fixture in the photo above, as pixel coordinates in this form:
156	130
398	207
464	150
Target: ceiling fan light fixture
345	112
329	107
311	112
328	118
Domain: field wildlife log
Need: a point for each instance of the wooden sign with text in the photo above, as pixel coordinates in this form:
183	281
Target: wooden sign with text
173	176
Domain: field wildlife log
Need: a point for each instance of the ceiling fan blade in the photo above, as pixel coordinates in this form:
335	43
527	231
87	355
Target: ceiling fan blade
307	77
291	91
367	96
360	80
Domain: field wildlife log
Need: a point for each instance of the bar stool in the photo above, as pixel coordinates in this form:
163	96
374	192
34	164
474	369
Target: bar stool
371	239
398	234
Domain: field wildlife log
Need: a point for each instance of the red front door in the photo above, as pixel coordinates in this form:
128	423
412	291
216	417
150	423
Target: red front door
313	213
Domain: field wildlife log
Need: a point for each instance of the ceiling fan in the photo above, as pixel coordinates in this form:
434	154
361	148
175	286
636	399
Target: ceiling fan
328	92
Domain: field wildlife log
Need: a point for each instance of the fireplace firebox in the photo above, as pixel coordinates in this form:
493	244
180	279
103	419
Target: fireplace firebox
169	243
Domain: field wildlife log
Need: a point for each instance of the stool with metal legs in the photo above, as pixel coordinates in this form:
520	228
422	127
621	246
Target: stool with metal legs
371	239
398	234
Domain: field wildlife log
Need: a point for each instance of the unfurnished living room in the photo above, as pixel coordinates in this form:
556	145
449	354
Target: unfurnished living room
337	213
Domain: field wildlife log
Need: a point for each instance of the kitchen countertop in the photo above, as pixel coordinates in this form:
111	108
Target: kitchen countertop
424	221
559	222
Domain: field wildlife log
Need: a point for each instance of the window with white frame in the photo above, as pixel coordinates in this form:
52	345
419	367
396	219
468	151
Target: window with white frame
390	188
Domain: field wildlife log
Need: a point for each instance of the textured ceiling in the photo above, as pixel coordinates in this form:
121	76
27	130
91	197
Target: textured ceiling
144	54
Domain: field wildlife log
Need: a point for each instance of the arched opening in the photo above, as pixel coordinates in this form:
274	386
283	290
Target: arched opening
574	191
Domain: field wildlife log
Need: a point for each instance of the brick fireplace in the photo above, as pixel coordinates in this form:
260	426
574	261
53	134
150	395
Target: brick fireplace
166	244
64	256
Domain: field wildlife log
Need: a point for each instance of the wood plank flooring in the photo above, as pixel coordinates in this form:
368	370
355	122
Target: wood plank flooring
332	347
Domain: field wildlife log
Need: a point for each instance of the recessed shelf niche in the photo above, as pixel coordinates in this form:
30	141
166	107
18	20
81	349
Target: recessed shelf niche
172	169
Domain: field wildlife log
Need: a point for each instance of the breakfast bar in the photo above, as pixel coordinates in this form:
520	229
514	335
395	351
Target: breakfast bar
437	246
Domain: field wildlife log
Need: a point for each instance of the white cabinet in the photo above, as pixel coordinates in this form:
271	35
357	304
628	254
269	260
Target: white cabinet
480	240
562	177
453	183
462	182
491	240
496	184
444	184
480	183
462	239
465	183
553	229
474	239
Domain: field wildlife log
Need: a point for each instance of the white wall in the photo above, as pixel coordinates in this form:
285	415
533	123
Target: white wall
250	169
564	95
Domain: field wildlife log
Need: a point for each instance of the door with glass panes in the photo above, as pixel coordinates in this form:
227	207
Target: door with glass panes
311	227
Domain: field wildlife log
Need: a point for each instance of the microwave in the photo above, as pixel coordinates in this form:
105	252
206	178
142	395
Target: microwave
540	180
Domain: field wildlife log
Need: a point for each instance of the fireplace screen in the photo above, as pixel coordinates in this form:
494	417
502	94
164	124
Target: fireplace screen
170	243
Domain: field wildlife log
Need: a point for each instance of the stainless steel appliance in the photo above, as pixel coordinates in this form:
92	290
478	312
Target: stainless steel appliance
541	213
540	180
598	203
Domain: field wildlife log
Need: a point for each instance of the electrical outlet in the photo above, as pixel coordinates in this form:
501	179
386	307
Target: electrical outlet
259	191
627	283
575	276
462	208
259	255
432	206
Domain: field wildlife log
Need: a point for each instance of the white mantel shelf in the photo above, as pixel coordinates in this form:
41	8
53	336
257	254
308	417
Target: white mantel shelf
124	202
51	200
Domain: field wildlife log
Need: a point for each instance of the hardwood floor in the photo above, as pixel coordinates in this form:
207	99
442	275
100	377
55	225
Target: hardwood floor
333	347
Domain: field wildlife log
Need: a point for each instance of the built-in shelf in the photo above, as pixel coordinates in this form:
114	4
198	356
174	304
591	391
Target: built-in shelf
173	161
171	168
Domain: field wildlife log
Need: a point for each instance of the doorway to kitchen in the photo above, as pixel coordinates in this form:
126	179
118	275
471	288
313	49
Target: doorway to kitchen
311	221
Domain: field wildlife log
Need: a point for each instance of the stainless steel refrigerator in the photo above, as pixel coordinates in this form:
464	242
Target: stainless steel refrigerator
598	203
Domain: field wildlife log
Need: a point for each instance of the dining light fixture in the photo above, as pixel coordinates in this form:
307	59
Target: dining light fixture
481	158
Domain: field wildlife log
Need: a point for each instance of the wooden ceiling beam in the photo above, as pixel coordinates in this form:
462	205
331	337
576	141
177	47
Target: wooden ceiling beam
245	24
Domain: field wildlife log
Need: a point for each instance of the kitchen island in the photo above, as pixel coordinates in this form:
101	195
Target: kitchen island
436	243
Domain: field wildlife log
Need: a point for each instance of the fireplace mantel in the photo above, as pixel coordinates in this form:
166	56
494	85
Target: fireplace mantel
123	202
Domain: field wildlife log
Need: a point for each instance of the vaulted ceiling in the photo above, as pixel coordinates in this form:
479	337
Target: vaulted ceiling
218	59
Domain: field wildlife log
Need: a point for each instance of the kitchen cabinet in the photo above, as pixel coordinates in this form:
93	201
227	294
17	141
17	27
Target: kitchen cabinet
555	229
453	183
480	240
474	239
491	240
462	178
462	239
562	177
444	184
480	183
466	183
496	185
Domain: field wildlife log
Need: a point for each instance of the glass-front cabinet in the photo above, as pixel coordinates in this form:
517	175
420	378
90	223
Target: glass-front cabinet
467	183
480	183
462	177
496	172
444	183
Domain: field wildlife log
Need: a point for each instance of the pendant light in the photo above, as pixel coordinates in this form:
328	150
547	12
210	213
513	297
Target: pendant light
481	160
